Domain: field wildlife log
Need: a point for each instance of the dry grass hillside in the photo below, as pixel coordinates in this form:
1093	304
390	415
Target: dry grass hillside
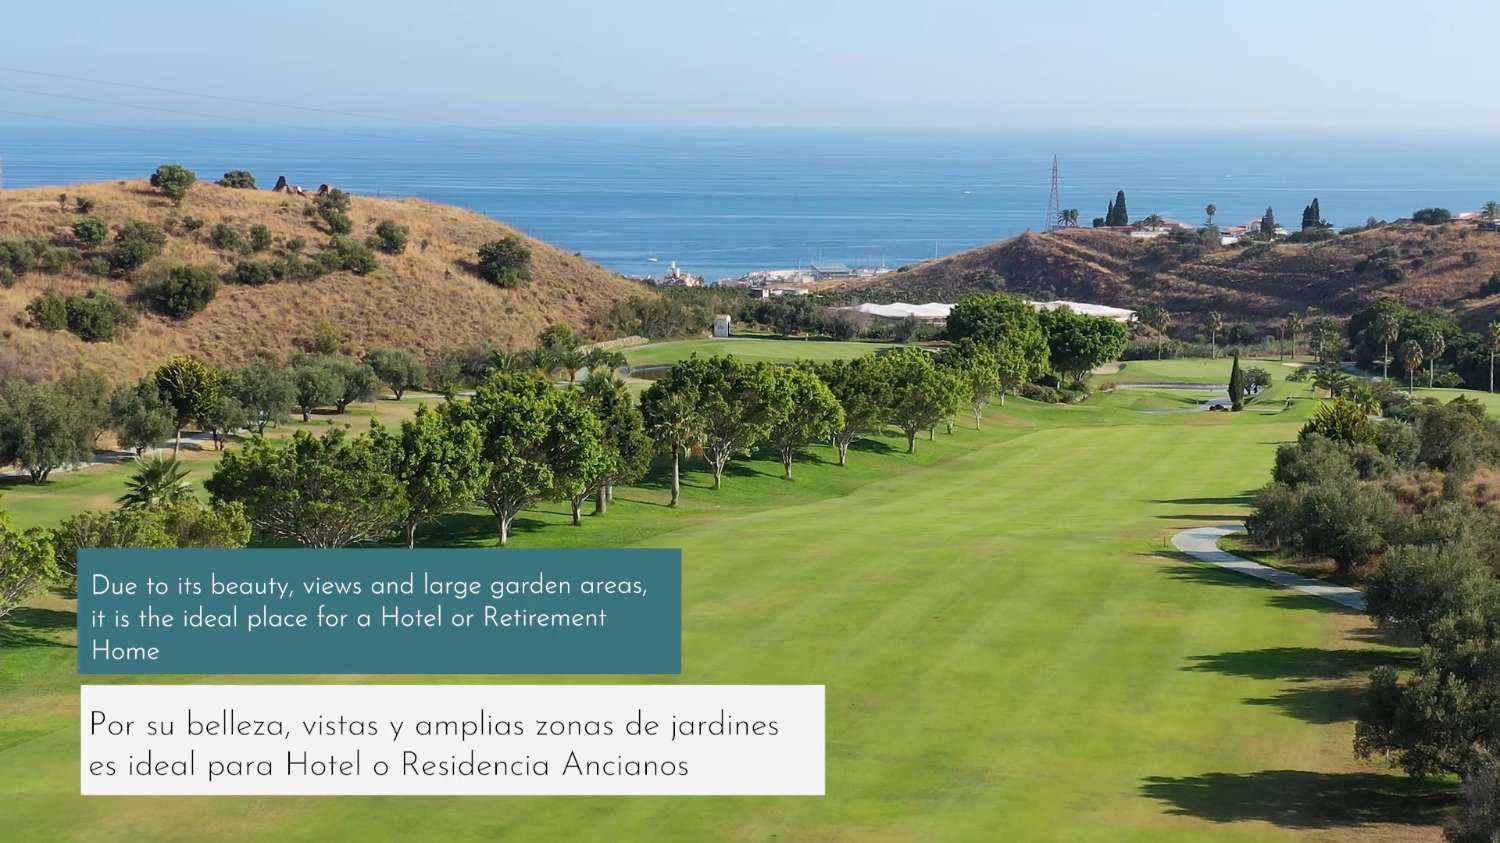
1439	266
424	300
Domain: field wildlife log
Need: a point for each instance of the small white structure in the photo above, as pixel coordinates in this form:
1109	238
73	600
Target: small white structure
721	325
938	312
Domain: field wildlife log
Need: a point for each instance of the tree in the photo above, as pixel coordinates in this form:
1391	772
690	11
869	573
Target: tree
351	256
921	394
1256	380
390	237
862	391
1236	385
1268	223
801	409
87	392
627	446
40	430
223	415
190	387
978	368
1077	343
356	380
516	415
1159	320
325	492
1411	360
1492	211
399	370
675	424
1432	216
998	319
1292	324
1312	216
27	563
314	385
260	238
1211	210
188	523
265	390
1332	381
90	231
732	398
1433	344
332	208
139	416
173	180
1387	329
505	262
180	290
136	243
438	463
238	179
1492	347
1117	215
1215	325
1324	333
579	459
156	482
1343	421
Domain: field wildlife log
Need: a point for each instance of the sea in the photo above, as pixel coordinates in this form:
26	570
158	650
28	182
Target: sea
725	202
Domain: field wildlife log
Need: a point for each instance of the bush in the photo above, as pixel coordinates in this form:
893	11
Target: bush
1432	216
1037	392
90	231
296	244
8	278
352	256
84	205
135	244
389	237
192	224
181	290
260	238
48	311
17	256
56	258
173	180
238	179
251	273
223	236
96	316
1470	258
333	208
505	262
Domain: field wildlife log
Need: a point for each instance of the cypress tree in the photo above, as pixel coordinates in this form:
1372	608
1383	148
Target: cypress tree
1122	216
1109	216
1317	213
1236	386
1268	223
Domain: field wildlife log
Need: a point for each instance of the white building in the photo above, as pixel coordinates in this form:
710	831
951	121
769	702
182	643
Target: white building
721	325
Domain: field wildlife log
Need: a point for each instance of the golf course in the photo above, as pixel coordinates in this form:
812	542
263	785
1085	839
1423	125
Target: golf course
1011	649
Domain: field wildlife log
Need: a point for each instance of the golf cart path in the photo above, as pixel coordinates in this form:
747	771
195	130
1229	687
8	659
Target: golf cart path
1202	543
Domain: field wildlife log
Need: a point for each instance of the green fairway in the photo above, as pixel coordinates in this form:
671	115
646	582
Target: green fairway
1009	651
749	348
1190	370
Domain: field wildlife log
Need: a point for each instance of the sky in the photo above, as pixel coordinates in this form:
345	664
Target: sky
1263	65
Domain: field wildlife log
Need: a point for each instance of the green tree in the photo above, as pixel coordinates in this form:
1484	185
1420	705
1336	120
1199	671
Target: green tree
1268	223
1387	329
921	394
390	237
1159	320
41	431
352	256
397	369
1211	210
333	208
325	492
801	409
1236	386
180	290
1433	345
90	231
314	385
156	482
1291	326
1215	325
505	262
190	386
225	236
139	416
356	380
174	180
731	396
860	387
266	391
516	415
1341	421
48	311
978	370
994	319
1117	214
1492	347
222	416
136	243
87	392
96	316
438	463
1077	343
260	238
579	458
674	423
238	179
27	563
627	446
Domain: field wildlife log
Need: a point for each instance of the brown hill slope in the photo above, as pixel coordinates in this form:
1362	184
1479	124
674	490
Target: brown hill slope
1424	266
423	300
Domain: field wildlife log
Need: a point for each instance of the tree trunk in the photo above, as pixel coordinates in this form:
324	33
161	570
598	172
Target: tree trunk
911	440
410	530
843	453
676	480
1385	364
398	393
502	526
977	411
577	502
601	500
1492	373
306	415
176	443
786	463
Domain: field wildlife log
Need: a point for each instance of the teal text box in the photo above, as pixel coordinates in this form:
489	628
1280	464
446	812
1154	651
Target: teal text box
602	611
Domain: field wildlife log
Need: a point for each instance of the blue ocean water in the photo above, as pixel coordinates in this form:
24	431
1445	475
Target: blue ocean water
725	202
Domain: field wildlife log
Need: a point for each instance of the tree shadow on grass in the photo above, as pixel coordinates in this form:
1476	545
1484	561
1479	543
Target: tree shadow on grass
1244	498
872	446
28	627
1303	664
1302	799
1216	517
1319	705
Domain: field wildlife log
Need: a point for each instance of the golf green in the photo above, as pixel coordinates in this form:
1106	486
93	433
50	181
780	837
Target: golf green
1010	653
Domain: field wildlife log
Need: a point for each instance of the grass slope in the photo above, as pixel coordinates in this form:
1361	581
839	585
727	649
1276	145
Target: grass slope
1010	652
423	300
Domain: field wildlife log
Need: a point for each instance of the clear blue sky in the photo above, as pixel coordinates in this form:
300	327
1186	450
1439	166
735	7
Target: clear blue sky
1376	64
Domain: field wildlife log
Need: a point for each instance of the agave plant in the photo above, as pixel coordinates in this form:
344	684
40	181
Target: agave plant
158	481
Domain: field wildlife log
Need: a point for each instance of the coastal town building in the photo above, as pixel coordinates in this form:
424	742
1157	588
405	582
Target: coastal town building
676	277
937	312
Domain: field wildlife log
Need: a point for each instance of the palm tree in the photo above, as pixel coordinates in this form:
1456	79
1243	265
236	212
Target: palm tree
1152	221
1211	210
598	359
1293	325
1492	343
1215	325
1492	210
1433	344
1387	329
1158	320
1411	360
158	481
1362	396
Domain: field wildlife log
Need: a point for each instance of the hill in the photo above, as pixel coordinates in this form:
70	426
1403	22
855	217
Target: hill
1426	266
425	299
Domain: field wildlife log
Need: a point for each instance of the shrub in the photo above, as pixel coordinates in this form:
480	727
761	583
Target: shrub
505	262
96	316
251	273
238	179
135	244
296	244
1470	258
173	180
333	208
1342	421
192	224
352	256
84	205
181	290
389	237
90	231
97	265
8	278
48	311
1432	216
17	256
1038	392
223	236
260	238
56	258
